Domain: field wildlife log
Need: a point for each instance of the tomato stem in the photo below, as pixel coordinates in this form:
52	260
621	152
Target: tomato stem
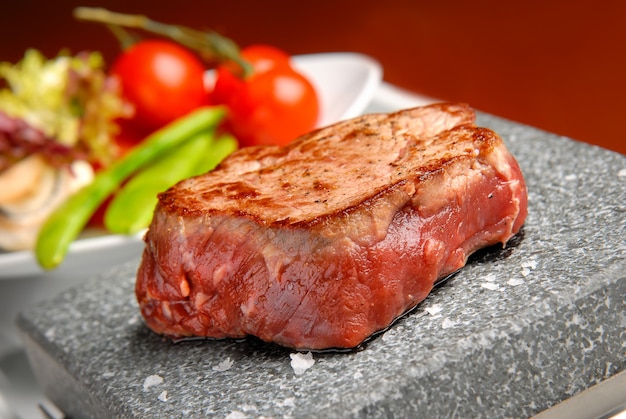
124	37
210	45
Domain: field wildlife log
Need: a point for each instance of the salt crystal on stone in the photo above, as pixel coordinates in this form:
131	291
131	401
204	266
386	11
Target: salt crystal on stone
622	173
152	380
489	277
527	266
49	334
530	263
236	415
225	365
433	309
301	362
163	396
515	281
490	286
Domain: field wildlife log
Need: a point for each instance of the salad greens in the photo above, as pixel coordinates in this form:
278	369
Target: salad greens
68	98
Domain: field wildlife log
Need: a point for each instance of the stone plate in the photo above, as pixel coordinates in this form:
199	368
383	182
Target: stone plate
515	332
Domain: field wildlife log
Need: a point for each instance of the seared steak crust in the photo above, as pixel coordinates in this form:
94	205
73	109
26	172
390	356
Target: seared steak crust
326	241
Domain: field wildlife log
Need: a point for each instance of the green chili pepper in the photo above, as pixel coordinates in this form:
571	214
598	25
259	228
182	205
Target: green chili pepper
132	208
71	217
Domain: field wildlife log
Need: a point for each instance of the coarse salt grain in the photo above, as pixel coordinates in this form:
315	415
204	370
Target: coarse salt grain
490	277
490	286
152	380
225	365
49	334
235	414
622	173
515	282
433	309
301	362
163	396
528	266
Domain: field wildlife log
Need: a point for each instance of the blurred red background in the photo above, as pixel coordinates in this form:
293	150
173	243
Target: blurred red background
556	65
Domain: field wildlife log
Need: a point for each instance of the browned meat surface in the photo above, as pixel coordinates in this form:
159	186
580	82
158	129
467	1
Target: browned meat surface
324	242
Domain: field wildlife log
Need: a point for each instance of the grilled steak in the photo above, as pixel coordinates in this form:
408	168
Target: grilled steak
324	242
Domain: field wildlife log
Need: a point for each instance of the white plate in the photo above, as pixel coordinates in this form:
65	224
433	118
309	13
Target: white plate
345	83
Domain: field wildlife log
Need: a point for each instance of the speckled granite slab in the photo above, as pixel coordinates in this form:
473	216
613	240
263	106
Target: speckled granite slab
515	332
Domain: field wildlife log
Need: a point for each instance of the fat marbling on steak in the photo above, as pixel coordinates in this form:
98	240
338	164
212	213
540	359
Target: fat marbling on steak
326	241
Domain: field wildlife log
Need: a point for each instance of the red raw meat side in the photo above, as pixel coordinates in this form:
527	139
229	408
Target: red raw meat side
324	242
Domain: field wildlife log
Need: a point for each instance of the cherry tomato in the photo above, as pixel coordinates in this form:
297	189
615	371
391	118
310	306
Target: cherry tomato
266	57
274	105
163	81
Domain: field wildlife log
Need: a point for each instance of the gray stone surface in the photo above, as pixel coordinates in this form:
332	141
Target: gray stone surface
515	332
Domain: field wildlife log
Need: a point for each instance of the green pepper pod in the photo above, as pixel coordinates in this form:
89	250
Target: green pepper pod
70	218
